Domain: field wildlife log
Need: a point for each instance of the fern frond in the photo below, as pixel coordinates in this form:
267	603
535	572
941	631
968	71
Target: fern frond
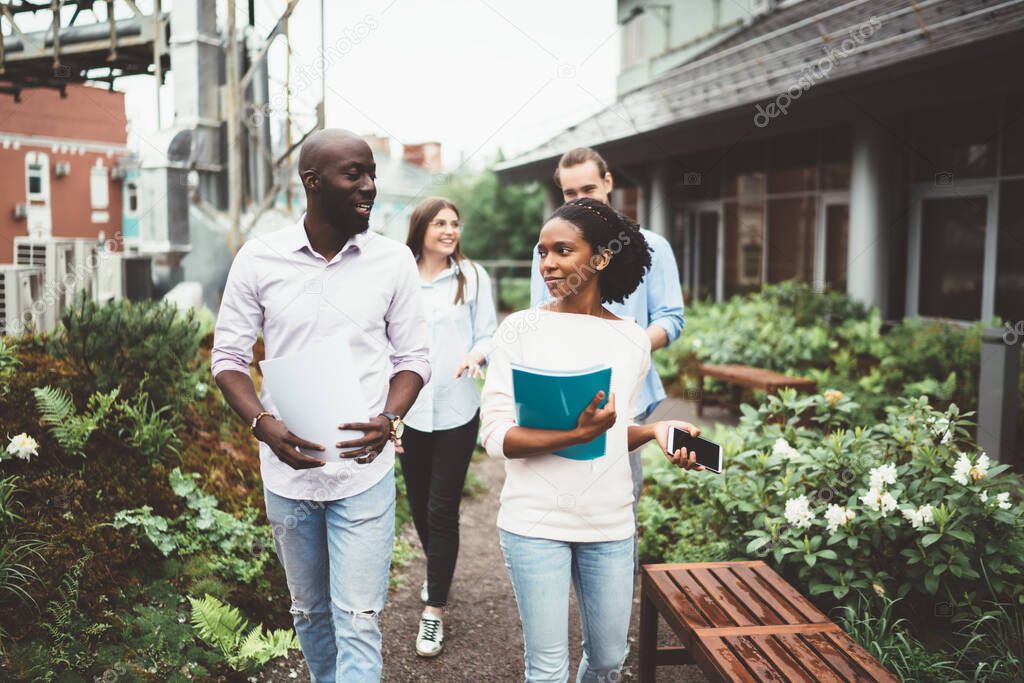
54	405
217	623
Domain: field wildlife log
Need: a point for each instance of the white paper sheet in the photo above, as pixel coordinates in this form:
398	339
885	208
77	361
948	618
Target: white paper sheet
314	391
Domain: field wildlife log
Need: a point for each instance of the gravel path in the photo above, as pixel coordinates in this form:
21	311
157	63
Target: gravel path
483	639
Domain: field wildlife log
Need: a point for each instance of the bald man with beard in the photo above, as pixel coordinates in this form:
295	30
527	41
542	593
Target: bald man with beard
333	516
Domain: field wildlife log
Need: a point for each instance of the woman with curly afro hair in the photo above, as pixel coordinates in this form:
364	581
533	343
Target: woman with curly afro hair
565	521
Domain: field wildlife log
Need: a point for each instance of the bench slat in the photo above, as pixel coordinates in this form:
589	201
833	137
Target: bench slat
856	651
712	611
764	592
764	668
810	613
836	658
764	611
808	658
684	611
741	614
715	657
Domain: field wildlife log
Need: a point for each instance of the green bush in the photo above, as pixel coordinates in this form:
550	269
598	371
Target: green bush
907	507
835	341
233	548
126	344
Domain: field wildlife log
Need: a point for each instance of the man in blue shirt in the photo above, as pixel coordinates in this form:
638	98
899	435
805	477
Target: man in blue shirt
657	304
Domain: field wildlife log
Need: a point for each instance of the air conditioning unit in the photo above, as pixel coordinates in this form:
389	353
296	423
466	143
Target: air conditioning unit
109	277
21	288
62	168
57	259
117	172
86	259
20	212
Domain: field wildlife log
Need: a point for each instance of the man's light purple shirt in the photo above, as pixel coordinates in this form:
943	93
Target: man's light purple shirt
370	291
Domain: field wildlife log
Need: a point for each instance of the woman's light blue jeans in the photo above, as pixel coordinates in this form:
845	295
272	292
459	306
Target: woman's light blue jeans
336	556
540	570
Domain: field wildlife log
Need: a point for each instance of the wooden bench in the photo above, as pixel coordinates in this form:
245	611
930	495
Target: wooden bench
745	376
740	621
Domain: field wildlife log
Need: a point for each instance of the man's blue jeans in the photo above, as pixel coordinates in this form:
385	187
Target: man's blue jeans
602	573
336	556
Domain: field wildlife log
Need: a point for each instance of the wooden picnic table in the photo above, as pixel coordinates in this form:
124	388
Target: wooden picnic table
740	621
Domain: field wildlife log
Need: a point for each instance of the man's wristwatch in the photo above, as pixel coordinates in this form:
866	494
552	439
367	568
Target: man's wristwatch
397	426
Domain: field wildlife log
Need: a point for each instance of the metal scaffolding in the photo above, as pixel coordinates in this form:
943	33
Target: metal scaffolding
221	85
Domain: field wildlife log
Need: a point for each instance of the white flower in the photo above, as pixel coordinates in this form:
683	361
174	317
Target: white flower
882	475
1003	500
23	446
919	517
940	427
879	500
964	472
696	343
798	512
837	516
783	449
983	496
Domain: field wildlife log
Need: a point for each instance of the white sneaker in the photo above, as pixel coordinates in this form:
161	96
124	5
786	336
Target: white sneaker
424	595
430	640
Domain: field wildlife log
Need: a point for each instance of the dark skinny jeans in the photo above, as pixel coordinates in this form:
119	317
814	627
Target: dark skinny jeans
434	465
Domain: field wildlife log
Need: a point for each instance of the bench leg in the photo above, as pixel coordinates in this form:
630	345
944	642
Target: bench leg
700	395
648	639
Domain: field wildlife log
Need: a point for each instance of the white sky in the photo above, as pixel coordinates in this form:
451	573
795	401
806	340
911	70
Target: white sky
471	74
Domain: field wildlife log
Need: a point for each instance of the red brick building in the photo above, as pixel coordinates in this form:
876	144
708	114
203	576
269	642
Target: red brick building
56	160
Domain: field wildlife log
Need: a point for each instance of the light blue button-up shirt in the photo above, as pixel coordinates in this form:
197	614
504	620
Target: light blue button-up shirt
455	330
657	301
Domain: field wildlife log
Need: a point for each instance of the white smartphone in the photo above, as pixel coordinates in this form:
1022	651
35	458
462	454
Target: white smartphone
709	453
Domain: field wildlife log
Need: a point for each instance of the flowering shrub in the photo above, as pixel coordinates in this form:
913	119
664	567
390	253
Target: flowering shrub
907	508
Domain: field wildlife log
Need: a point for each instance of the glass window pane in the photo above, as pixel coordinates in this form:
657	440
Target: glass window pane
707	254
837	235
1010	252
791	239
744	246
952	257
958	141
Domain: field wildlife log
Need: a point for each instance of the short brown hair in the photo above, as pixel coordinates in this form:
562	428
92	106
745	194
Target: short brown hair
580	155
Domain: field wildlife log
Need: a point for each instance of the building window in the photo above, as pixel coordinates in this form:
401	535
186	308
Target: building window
99	188
791	226
131	205
952	256
36	172
1010	253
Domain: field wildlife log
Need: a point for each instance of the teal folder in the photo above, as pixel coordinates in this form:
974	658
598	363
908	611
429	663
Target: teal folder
554	399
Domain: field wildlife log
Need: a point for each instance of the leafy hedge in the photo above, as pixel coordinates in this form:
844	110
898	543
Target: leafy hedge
833	340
